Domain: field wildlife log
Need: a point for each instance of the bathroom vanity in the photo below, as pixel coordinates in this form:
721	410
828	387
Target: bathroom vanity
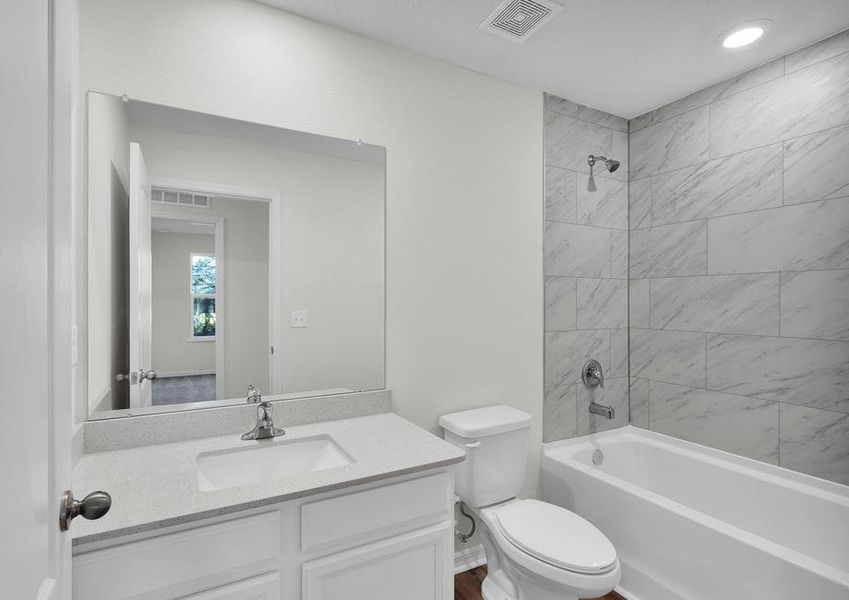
375	527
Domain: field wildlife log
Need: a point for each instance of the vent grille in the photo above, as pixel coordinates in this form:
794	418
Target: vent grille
179	198
517	20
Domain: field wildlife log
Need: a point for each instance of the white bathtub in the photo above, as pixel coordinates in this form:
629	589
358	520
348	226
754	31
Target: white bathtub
694	523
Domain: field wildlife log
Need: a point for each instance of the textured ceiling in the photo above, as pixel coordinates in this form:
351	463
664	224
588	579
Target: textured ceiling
623	56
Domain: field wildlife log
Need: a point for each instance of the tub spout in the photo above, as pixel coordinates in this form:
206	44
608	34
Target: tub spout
605	411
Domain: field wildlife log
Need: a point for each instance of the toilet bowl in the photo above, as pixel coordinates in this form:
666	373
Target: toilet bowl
534	550
544	552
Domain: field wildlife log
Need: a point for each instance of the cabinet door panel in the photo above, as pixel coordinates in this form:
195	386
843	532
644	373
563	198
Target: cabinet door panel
414	566
177	564
264	587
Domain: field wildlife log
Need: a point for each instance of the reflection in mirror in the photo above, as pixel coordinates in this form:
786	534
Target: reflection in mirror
223	254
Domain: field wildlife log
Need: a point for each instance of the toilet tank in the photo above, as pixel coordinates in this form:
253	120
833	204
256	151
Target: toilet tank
495	439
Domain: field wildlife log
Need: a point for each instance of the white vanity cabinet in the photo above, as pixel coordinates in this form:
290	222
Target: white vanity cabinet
379	541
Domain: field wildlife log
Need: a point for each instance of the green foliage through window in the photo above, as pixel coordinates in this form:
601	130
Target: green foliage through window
203	287
203	274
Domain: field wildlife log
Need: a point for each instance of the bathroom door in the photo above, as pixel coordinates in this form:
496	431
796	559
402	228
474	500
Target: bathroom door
35	314
141	314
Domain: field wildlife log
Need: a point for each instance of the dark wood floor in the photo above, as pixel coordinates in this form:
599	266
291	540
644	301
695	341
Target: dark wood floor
467	586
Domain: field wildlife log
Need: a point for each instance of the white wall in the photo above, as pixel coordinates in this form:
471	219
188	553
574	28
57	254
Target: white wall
464	174
333	251
173	350
109	153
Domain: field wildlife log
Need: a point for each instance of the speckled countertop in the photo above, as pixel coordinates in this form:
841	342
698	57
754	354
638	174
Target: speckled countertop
157	486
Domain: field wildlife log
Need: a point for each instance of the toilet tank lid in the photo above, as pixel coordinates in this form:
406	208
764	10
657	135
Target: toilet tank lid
481	422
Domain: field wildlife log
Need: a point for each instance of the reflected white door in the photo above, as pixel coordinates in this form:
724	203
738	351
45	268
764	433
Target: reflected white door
141	315
35	356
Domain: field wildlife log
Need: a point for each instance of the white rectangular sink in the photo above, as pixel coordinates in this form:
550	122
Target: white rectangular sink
267	460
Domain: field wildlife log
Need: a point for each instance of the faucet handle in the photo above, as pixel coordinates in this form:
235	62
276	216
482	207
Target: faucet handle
253	394
592	374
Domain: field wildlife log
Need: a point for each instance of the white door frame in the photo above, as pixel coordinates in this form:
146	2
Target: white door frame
220	286
275	265
63	54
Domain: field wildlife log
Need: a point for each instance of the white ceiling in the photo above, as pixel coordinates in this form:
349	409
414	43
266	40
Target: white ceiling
623	56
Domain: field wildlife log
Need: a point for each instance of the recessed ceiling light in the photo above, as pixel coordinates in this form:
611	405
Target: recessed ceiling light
744	34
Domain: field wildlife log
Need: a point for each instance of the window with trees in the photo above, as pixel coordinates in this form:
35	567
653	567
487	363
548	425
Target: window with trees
203	291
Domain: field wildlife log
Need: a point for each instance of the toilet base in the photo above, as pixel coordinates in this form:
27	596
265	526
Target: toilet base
496	586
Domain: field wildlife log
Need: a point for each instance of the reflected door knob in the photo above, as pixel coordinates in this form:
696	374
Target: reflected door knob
93	506
151	375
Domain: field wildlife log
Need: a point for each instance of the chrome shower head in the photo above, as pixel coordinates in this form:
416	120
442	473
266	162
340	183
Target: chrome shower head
610	163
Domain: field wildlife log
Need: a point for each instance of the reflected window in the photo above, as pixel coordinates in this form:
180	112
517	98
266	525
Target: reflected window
203	288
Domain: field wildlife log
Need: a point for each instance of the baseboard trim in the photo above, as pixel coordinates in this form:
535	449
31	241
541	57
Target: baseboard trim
469	558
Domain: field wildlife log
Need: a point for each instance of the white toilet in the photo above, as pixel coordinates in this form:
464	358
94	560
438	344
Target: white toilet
534	550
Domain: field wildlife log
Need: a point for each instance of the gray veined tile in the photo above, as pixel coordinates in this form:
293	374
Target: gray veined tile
599	117
618	353
638	402
717	303
576	250
621	152
561	105
678	142
816	166
815	304
738	183
670	356
808	372
606	205
615	394
638	303
619	254
566	352
640	122
640	199
790	238
560	303
816	442
751	78
568	141
827	48
669	250
559	413
805	101
561	201
602	303
745	426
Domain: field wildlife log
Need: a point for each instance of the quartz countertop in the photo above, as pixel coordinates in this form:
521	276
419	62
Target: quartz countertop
157	486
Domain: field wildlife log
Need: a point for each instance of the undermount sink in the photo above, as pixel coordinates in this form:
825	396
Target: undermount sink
266	461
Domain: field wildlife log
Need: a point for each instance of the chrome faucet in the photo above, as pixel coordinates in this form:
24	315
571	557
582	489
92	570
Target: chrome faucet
605	411
593	375
264	428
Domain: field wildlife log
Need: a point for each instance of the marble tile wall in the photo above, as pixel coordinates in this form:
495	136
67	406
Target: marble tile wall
739	264
586	267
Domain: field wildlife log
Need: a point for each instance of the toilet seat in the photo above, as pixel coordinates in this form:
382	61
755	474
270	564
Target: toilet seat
556	536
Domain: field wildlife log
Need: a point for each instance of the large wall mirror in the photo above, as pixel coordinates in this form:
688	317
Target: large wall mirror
223	254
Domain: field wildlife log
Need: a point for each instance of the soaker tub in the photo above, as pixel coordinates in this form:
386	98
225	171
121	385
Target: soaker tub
693	523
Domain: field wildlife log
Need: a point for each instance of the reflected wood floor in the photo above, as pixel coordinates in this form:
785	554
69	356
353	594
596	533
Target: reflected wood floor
467	586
